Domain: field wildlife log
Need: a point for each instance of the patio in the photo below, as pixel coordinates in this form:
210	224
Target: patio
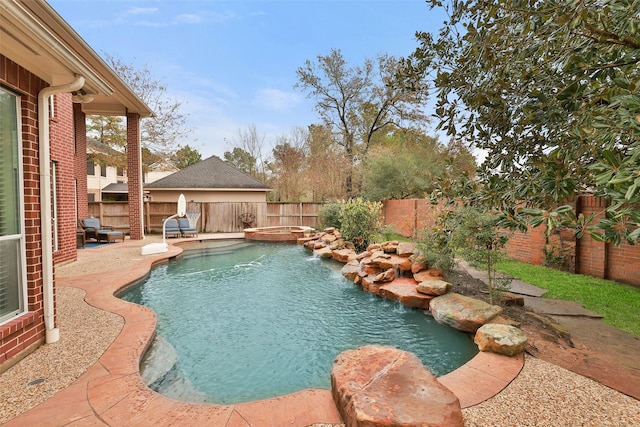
91	376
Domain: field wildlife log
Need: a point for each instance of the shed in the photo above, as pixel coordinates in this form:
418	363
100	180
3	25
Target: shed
210	180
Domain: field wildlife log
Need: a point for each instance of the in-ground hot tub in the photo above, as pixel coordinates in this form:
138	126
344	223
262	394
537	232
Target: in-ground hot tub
277	233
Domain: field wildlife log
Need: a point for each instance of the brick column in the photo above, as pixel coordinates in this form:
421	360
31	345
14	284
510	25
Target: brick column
591	255
134	176
80	164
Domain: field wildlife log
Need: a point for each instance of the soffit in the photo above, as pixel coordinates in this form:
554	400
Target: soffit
33	35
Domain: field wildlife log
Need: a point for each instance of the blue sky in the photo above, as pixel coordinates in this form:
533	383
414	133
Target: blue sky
233	63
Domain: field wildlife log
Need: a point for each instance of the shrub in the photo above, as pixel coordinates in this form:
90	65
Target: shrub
329	215
468	232
360	221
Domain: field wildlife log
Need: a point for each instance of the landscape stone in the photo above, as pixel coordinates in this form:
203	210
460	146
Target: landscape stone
351	269
462	312
434	287
386	276
390	247
427	275
386	261
417	267
323	252
369	284
404	290
344	255
501	339
328	238
406	249
384	386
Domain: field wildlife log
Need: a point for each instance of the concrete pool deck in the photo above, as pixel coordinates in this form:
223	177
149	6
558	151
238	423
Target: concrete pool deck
112	393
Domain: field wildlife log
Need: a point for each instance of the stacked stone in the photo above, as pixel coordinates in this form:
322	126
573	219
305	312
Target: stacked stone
393	270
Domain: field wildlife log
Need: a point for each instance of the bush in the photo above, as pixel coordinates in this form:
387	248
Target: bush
360	221
468	232
329	215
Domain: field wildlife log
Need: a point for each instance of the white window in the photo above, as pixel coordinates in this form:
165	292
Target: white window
12	249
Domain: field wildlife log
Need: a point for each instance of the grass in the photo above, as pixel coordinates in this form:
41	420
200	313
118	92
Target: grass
617	302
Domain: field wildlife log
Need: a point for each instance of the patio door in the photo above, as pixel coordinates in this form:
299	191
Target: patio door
12	252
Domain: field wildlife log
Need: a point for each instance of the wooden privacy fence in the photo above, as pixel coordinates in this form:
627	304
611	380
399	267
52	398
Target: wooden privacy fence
215	217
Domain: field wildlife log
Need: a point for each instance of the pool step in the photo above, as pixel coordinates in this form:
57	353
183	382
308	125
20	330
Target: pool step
159	359
159	370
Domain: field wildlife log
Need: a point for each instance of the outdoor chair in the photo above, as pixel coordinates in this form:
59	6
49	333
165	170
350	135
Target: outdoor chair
172	228
186	229
94	230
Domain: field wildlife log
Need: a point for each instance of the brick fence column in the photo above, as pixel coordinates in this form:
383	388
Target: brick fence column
134	176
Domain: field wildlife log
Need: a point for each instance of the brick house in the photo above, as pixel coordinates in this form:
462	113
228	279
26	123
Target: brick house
49	80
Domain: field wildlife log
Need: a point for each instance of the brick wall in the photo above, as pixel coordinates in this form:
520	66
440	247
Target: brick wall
61	128
24	333
584	256
527	247
591	256
410	216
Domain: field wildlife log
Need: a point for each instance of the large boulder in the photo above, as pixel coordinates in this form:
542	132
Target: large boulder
404	290
323	252
386	261
351	269
433	287
501	339
383	386
462	312
344	254
428	274
406	249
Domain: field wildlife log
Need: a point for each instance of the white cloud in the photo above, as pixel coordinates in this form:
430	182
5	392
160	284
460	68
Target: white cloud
141	11
188	18
276	99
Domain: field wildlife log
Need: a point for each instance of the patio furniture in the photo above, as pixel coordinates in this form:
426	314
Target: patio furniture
186	228
172	228
94	230
81	237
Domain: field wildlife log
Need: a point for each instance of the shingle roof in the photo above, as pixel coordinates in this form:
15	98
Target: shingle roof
208	173
120	187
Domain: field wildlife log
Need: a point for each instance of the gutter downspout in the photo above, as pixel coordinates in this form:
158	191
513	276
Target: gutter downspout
52	333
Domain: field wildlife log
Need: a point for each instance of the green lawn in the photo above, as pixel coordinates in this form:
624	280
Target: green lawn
617	302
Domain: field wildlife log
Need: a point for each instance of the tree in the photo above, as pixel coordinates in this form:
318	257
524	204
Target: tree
356	103
328	166
550	90
407	164
248	151
288	168
110	131
185	156
161	133
240	159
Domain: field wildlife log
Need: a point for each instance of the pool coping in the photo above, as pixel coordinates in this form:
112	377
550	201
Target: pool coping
111	392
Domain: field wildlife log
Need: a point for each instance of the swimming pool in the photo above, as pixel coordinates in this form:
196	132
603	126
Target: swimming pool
250	321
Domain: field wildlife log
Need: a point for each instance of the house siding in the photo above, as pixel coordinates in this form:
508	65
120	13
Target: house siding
208	196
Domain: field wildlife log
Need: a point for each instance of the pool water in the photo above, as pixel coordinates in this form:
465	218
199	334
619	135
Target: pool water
250	321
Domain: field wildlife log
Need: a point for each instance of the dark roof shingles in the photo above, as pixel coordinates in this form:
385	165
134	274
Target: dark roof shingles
209	173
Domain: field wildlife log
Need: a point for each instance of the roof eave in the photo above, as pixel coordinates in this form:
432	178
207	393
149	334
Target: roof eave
35	36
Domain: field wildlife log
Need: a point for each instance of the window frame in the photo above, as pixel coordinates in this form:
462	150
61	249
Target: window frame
20	239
